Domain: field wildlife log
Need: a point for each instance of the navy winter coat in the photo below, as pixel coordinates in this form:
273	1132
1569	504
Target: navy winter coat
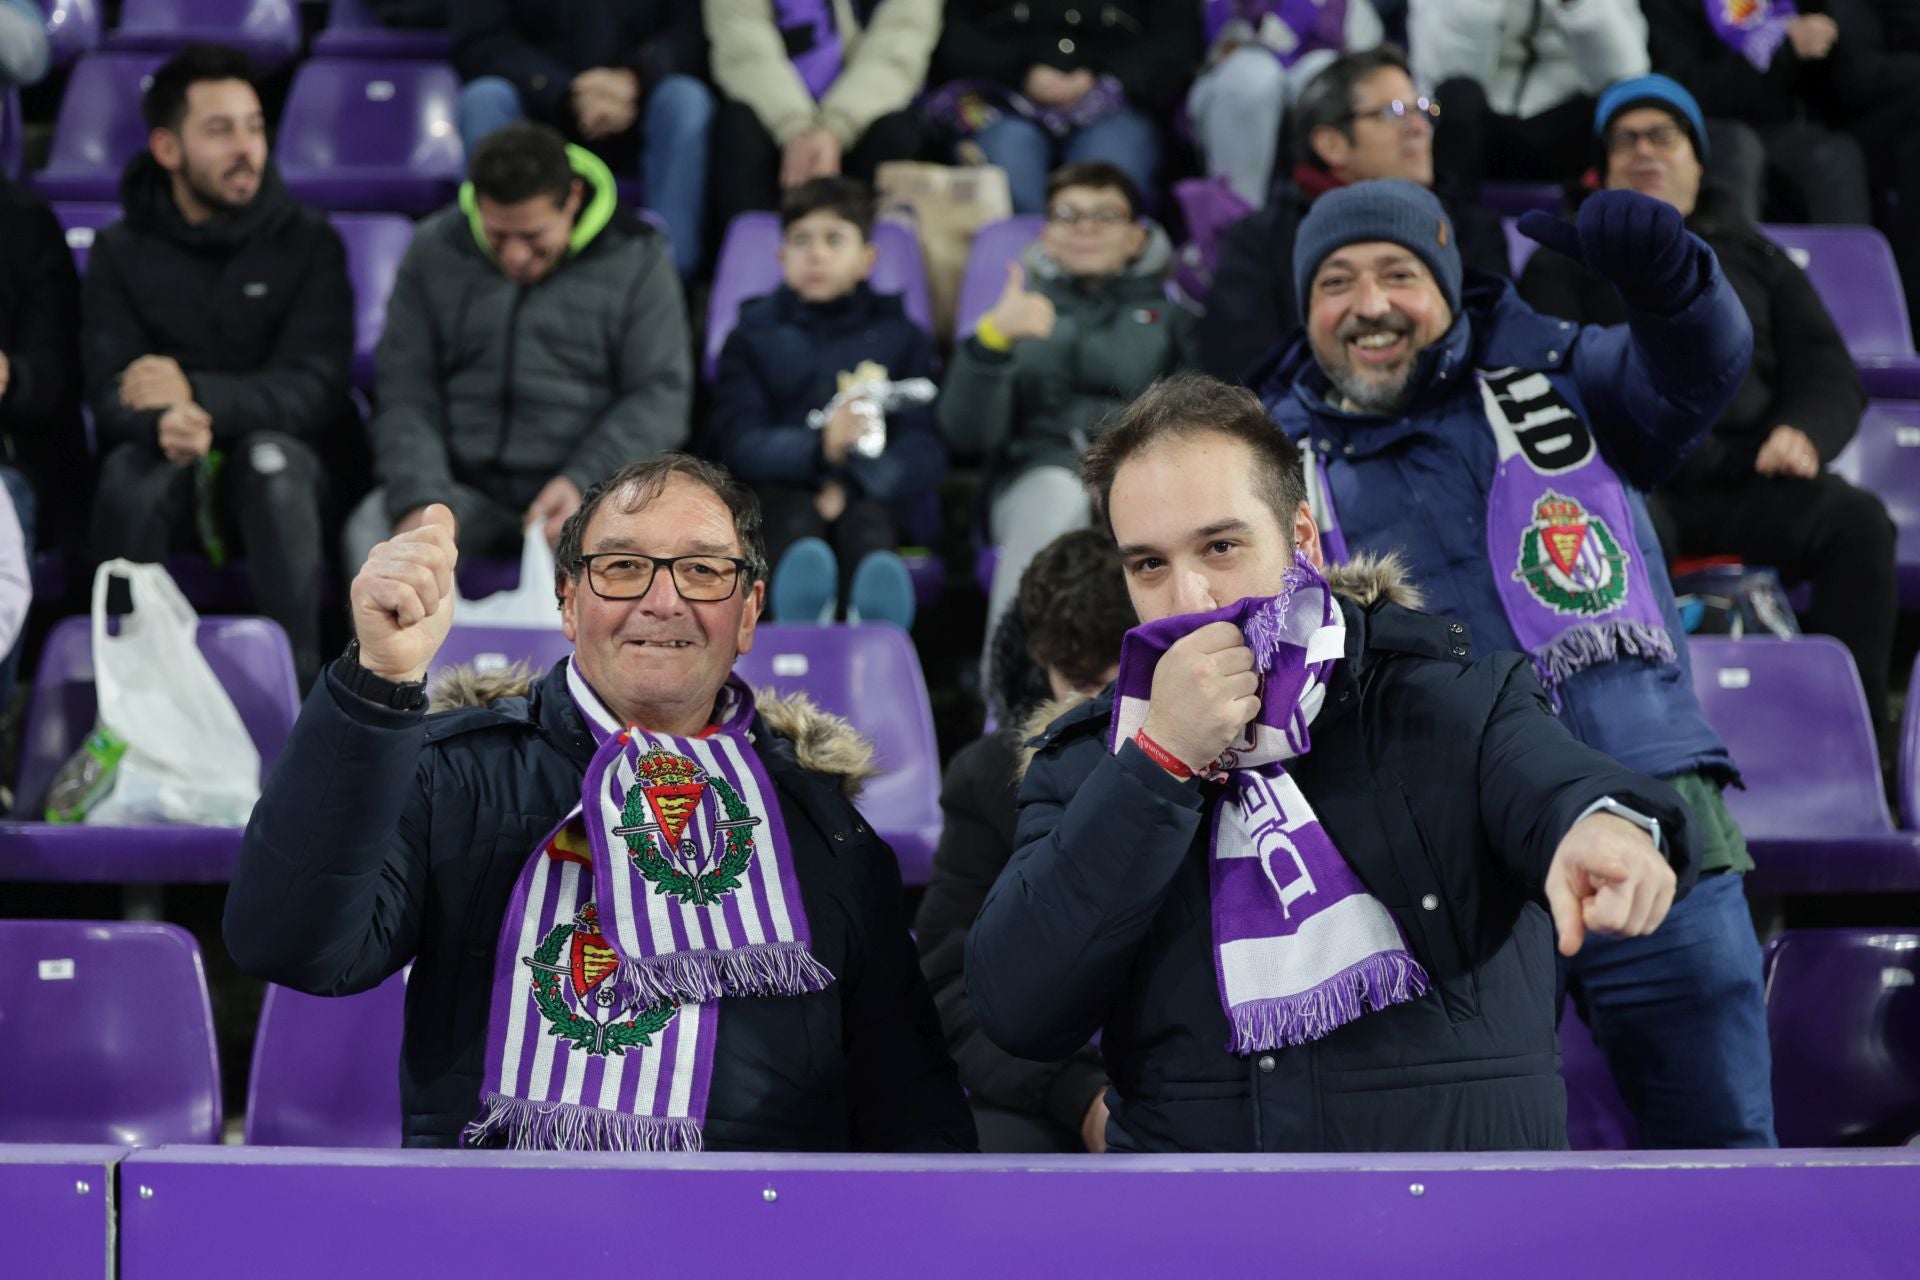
1447	785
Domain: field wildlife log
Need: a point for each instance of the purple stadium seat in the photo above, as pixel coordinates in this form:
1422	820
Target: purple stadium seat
1885	458
1910	752
1519	247
375	136
81	222
375	243
10	140
73	28
1843	1016
267	30
1854	272
109	1035
749	266
1597	1116
994	246
326	1071
869	674
254	664
1511	199
1813	811
353	31
99	127
492	648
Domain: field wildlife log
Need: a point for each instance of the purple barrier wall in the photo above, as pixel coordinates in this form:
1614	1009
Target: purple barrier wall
300	1214
56	1209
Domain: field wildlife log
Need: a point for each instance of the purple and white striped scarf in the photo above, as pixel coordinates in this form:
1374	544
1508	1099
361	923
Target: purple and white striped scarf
668	888
1300	947
1290	29
1755	29
969	107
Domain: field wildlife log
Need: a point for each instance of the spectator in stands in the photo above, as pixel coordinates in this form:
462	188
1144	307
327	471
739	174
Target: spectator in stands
1809	82
791	355
1259	55
456	840
41	438
1406	1003
814	89
1031	387
1360	118
1057	648
1519	79
16	582
1504	454
1039	83
1756	487
617	76
217	333
535	341
24	57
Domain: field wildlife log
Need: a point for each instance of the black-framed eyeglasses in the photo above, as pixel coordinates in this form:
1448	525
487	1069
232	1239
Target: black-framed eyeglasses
628	575
1400	111
1066	215
1664	137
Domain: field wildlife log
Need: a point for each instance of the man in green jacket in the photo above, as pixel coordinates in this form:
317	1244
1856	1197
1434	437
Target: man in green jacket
1081	328
535	342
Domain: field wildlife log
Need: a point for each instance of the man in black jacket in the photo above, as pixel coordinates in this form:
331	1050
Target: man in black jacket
1359	118
217	336
1757	487
386	834
1443	783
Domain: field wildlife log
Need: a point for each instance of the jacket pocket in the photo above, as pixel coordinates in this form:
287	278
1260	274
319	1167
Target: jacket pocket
1431	914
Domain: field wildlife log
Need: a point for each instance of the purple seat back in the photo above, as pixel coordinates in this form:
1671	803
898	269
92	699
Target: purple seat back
109	1035
1853	270
249	656
379	136
749	266
375	243
1843	1016
99	127
1520	248
1597	1116
869	674
326	1070
73	28
496	648
353	31
1511	199
267	30
81	221
1910	754
994	246
1884	457
1794	716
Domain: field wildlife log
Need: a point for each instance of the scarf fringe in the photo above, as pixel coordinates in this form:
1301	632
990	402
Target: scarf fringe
563	1126
1593	643
1382	979
772	969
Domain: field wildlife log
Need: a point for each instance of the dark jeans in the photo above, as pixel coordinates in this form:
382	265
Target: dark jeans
1474	144
271	491
1823	531
26	509
745	173
866	526
1016	1133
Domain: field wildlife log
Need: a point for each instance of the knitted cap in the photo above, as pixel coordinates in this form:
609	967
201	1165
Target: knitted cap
1650	91
1389	209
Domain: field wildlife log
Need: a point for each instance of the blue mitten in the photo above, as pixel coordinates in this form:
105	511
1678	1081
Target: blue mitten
1640	244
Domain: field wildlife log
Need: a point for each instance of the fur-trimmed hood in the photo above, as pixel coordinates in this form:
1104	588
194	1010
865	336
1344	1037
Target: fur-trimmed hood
822	742
1367	579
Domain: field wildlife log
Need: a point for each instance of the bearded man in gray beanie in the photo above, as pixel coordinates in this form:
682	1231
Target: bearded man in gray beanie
1504	455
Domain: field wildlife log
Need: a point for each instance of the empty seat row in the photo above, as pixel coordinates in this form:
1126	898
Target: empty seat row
269	30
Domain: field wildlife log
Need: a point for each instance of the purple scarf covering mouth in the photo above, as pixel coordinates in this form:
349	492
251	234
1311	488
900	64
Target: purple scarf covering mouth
1755	29
1300	947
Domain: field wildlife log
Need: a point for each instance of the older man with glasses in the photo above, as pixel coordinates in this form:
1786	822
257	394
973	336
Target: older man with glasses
642	910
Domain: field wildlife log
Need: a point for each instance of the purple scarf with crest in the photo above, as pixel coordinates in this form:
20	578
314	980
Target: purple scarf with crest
670	887
1290	29
970	106
1300	947
1755	29
808	27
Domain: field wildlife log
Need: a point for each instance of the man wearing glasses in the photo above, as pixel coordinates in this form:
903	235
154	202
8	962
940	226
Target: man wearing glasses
589	870
1360	118
1082	326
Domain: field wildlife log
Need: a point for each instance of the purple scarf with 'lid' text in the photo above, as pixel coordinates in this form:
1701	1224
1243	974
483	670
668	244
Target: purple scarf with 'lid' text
1300	947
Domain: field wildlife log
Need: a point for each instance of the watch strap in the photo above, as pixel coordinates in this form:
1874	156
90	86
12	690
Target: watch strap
410	695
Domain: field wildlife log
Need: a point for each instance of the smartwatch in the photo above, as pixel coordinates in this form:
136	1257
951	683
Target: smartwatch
408	696
1607	804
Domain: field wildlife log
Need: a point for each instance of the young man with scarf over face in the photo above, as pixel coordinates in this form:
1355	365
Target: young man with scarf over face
1297	863
1504	454
642	910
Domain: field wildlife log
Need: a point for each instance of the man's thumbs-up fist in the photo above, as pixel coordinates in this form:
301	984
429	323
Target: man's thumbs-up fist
1020	314
402	598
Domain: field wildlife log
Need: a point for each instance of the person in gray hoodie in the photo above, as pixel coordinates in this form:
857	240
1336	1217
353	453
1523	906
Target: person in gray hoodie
1082	327
535	342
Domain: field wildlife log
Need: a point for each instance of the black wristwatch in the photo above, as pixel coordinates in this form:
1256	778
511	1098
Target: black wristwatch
382	692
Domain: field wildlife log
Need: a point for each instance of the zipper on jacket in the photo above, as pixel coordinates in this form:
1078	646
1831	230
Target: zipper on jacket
506	375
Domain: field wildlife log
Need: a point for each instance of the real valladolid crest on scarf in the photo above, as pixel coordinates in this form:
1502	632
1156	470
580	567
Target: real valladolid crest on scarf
669	888
1300	947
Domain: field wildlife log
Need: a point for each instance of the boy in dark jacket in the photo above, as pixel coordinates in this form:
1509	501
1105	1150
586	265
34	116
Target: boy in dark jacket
832	499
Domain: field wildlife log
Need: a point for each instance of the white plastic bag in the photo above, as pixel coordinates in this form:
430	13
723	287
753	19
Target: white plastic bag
530	604
189	758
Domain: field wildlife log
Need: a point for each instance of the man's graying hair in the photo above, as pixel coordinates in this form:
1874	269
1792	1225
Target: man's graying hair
638	483
1327	100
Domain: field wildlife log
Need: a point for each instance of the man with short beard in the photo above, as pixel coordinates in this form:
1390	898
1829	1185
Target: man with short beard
217	332
1505	454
